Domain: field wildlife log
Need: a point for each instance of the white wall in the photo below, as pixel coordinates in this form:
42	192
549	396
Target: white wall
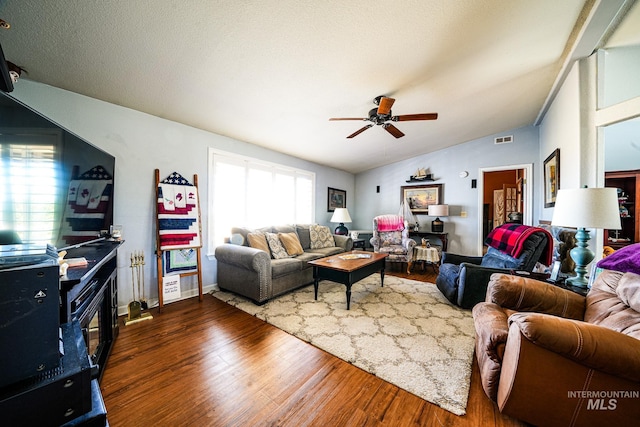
620	67
571	125
445	165
141	143
622	146
561	129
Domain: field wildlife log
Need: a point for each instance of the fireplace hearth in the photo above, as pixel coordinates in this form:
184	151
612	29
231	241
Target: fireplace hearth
90	296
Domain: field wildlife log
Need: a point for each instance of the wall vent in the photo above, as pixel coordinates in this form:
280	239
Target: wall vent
503	139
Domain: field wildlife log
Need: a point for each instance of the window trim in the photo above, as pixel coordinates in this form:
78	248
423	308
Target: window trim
247	161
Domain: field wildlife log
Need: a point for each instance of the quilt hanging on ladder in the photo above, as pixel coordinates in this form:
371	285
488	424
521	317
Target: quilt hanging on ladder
178	213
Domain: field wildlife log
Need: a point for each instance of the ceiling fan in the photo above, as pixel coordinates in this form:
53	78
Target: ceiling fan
381	115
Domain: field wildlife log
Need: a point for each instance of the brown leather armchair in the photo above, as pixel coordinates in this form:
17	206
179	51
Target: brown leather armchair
551	357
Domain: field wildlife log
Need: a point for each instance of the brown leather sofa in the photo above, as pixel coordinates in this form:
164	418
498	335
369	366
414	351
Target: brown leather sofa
551	357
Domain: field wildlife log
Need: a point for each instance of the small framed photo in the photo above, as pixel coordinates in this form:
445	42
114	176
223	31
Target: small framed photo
555	271
551	178
336	199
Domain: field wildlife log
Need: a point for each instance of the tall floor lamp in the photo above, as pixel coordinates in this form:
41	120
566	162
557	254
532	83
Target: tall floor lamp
586	208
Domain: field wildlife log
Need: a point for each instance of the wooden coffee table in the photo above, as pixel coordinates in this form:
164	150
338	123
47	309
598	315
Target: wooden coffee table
356	266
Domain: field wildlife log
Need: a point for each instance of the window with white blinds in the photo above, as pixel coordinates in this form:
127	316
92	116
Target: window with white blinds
30	188
247	192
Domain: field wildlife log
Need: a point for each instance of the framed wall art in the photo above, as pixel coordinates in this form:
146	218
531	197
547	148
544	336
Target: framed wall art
419	197
551	178
336	199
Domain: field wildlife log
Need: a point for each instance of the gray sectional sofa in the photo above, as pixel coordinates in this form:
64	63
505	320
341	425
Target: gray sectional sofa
254	274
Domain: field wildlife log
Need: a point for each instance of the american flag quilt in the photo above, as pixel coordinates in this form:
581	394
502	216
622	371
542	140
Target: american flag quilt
87	204
178	213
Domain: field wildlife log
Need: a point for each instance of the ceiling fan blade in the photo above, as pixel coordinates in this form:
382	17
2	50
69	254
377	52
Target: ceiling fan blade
346	118
393	130
385	105
359	131
408	117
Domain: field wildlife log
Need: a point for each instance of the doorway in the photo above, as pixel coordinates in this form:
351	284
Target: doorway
504	195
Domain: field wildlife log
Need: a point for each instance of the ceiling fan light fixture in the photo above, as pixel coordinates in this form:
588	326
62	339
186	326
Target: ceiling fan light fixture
381	115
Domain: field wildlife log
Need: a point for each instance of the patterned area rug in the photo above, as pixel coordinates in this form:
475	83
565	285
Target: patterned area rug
406	332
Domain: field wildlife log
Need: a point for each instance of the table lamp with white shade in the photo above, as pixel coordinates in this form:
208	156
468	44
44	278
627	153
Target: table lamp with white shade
341	215
585	208
437	226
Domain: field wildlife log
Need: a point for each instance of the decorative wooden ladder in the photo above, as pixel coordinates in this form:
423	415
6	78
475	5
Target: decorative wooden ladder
160	249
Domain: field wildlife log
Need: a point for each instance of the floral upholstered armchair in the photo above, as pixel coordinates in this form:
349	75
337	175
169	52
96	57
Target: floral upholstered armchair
391	236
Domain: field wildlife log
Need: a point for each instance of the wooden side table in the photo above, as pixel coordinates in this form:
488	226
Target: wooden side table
358	244
425	254
444	237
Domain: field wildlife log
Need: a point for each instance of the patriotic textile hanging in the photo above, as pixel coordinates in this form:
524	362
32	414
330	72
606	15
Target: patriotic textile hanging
178	213
87	204
179	261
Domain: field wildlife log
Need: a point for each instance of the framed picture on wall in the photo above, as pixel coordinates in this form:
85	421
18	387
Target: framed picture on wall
551	178
419	197
336	199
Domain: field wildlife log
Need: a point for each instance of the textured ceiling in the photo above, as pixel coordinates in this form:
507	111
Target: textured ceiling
273	72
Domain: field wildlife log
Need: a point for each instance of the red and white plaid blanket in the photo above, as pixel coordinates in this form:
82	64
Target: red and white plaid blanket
510	238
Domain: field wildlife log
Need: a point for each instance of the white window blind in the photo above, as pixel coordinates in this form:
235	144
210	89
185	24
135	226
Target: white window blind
247	192
30	187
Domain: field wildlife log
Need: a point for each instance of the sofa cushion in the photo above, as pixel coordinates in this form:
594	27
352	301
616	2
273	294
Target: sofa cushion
388	238
629	290
324	252
304	235
283	229
242	231
258	241
282	267
310	256
237	239
277	250
604	306
291	243
496	259
321	237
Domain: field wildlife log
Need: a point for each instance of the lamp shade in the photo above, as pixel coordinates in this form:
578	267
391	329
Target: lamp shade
438	210
587	208
341	215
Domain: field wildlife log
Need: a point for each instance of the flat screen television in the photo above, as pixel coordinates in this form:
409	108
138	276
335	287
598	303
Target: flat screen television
57	188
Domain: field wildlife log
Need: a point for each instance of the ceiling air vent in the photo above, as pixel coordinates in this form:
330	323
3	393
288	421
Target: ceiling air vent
503	139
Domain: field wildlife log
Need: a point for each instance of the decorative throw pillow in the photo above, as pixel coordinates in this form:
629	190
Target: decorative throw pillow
291	243
237	239
626	259
321	237
258	241
277	250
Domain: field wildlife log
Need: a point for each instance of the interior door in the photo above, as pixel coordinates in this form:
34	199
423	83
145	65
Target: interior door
510	200
490	179
498	208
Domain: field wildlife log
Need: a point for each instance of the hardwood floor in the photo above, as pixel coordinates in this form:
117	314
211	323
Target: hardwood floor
210	364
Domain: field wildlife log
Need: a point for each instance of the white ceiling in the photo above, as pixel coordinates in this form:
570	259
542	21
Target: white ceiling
273	72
